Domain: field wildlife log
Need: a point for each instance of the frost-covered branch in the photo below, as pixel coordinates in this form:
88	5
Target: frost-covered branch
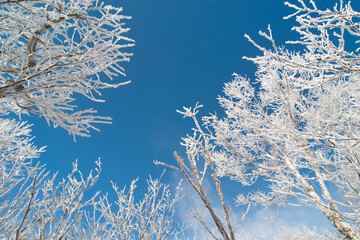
199	147
298	128
35	205
52	51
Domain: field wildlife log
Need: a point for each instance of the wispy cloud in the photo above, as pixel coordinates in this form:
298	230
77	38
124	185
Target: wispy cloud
260	223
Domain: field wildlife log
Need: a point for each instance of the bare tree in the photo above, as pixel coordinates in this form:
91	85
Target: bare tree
52	51
35	205
297	127
199	150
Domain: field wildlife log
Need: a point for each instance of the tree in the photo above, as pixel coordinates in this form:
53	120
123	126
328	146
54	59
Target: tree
297	126
53	51
34	205
199	146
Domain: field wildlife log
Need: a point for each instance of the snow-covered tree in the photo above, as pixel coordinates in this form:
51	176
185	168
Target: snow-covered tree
297	126
52	51
35	205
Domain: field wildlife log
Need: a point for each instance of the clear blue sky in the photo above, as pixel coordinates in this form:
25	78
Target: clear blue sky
185	51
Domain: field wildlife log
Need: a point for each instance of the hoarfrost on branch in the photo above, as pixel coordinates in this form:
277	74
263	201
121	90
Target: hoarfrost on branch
297	126
52	51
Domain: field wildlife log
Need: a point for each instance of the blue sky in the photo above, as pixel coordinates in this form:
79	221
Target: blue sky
185	51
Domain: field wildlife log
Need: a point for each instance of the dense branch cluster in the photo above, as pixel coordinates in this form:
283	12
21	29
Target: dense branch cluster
53	50
35	205
297	127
